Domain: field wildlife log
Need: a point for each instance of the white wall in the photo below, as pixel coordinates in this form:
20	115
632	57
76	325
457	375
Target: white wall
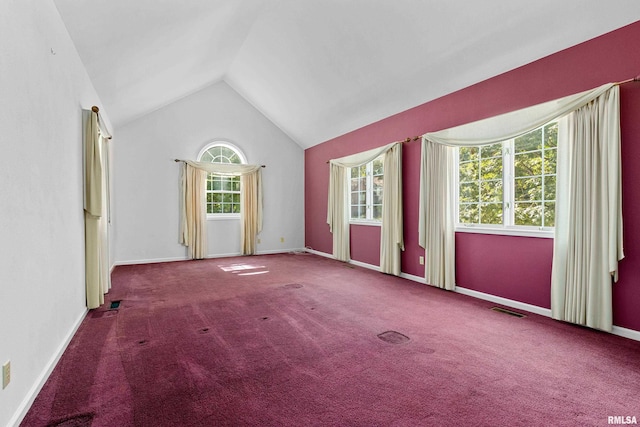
146	179
42	296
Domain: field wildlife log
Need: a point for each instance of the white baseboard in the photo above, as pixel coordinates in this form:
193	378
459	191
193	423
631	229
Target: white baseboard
212	256
22	410
617	330
627	333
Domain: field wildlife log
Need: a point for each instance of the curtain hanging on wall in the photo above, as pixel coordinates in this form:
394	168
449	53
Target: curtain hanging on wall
511	125
97	278
588	239
193	215
391	233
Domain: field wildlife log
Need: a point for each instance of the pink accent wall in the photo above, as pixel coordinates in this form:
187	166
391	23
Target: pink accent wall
517	268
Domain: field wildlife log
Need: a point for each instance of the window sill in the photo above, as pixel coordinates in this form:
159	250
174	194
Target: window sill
544	234
365	222
217	217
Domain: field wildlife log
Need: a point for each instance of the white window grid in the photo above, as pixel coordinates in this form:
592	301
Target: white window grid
222	192
365	192
509	225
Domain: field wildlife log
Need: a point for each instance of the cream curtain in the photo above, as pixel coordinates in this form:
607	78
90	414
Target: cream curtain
437	230
193	206
391	232
437	214
588	240
97	278
250	211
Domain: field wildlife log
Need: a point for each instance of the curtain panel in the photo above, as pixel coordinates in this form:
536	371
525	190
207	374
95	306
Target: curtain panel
193	217
391	233
588	239
601	164
97	278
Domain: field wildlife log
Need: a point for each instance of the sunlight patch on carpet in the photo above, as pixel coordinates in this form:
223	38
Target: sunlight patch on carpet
393	337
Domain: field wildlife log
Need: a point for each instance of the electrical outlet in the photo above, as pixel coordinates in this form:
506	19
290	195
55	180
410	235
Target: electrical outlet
421	260
6	374
282	240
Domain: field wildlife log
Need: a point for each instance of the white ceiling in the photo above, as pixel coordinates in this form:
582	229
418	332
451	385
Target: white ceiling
319	68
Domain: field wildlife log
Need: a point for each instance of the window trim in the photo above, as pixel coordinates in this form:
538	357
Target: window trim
243	159
507	202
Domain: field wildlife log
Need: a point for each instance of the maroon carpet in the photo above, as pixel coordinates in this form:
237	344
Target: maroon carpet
296	339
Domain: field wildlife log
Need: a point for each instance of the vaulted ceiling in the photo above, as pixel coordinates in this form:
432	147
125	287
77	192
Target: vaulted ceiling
319	68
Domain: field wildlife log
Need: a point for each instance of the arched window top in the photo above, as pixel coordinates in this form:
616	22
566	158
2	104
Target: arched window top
221	152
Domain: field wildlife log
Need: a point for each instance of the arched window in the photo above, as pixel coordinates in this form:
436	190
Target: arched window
223	192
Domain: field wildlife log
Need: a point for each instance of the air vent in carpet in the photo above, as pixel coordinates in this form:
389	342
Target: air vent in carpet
293	286
509	312
80	420
115	305
393	337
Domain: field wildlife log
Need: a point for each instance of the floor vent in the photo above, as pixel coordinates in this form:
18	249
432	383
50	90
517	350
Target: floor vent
293	286
115	305
509	312
393	337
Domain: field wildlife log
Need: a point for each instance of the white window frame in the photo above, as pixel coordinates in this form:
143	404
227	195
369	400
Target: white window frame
369	220
508	227
243	160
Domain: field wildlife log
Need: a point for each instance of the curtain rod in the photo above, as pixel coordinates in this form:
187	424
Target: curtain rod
96	110
635	79
178	160
404	141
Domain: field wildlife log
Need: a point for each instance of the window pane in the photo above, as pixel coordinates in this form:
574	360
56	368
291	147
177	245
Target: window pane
493	150
354	184
469	171
236	198
468	153
354	172
209	208
550	187
550	161
226	208
209	197
469	192
528	214
217	185
469	213
550	214
217	197
354	211
551	136
377	166
491	168
491	191
227	197
377	212
354	198
529	142
528	189
362	212
528	164
377	197
236	208
217	208
362	183
491	213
